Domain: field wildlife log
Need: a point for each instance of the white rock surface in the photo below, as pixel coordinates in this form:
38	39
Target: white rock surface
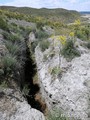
14	107
48	30
32	37
71	91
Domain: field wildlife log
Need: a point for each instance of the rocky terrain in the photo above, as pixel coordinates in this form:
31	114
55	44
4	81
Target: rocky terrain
68	91
87	16
14	107
44	66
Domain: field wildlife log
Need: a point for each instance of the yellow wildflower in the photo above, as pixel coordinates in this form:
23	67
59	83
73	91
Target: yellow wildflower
77	22
62	39
71	34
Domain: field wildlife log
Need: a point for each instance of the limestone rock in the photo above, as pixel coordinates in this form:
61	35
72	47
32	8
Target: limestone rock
31	37
69	92
14	107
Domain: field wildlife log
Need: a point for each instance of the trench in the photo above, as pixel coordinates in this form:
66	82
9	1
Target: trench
34	88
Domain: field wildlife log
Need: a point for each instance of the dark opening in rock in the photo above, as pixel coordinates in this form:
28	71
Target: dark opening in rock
29	72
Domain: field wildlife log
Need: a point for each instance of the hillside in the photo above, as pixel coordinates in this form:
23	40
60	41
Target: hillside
58	14
44	64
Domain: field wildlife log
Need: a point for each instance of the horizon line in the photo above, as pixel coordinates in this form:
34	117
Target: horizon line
44	8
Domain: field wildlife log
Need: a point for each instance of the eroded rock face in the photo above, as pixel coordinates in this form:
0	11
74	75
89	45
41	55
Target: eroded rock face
32	37
14	107
69	92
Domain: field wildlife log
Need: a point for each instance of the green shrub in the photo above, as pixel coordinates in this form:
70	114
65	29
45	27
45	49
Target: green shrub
81	35
69	51
25	90
9	62
41	34
26	31
40	25
83	32
44	44
88	45
56	70
14	29
13	48
12	37
3	84
3	24
87	32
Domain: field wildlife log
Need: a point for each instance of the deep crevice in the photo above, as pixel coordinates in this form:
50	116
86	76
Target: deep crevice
29	72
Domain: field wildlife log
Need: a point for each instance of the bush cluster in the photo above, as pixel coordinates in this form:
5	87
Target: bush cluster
44	44
83	32
69	51
3	24
15	57
40	34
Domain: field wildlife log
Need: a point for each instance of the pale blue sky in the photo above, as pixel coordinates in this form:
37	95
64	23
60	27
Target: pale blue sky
79	5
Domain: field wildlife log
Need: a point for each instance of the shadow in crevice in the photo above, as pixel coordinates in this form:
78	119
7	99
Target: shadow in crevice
29	72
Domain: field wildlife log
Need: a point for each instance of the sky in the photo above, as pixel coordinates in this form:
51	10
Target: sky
79	5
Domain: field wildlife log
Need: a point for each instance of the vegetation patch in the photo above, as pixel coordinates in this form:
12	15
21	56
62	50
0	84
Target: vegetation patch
88	45
3	24
55	71
40	34
69	51
44	44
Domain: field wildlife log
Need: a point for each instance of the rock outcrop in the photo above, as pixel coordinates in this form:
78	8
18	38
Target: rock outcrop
70	90
14	107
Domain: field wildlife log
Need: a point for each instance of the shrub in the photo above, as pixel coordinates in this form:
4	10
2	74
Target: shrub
88	45
9	63
69	51
44	45
56	71
41	34
25	31
40	25
12	37
86	30
3	24
81	35
3	84
14	28
25	90
83	32
12	48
